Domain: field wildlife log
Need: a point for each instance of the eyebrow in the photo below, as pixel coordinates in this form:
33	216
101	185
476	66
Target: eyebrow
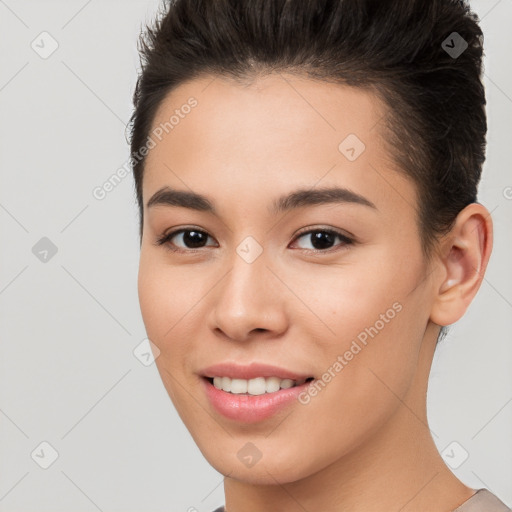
299	198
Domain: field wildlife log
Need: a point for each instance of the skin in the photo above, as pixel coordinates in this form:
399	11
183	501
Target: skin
363	443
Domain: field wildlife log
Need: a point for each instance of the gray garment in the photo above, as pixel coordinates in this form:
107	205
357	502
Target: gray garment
482	501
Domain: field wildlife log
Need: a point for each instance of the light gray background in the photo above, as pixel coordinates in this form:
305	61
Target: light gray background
69	326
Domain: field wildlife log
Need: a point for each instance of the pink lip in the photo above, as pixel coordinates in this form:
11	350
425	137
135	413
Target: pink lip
250	371
251	408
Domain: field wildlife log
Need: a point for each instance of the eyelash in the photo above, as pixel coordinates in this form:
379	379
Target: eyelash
344	238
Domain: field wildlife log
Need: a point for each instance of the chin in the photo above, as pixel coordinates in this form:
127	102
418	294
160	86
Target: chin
280	466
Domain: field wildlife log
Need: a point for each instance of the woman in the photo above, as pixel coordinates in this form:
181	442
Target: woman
306	174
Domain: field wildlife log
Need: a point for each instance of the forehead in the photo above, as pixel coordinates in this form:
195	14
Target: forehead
267	133
282	108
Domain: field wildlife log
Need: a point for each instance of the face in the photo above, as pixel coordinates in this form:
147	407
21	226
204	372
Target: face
245	290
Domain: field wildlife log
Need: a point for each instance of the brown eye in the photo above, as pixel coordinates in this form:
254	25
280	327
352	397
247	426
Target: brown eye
323	239
184	239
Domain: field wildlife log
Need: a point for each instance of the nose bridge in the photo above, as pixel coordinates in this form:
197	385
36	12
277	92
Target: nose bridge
247	281
246	298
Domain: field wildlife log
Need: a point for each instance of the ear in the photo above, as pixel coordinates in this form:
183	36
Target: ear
464	255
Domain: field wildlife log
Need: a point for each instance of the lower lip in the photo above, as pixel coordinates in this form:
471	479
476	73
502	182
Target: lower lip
251	408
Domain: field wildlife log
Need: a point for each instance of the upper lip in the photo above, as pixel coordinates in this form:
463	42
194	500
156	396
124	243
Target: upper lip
250	371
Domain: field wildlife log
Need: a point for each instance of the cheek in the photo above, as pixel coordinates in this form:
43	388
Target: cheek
167	298
166	294
154	298
171	300
375	326
356	300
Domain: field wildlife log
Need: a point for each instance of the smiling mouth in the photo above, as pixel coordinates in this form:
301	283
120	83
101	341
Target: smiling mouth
256	386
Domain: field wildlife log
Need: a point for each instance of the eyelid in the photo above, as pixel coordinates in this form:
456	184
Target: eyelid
341	232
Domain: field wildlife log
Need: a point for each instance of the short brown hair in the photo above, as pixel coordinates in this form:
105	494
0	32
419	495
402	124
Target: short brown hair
407	52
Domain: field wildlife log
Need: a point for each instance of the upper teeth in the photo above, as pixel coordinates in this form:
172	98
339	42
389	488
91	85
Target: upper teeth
257	386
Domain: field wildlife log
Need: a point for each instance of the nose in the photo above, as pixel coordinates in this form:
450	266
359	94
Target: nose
250	299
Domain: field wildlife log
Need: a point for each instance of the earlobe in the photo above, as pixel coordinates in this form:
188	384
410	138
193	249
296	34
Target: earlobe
465	254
